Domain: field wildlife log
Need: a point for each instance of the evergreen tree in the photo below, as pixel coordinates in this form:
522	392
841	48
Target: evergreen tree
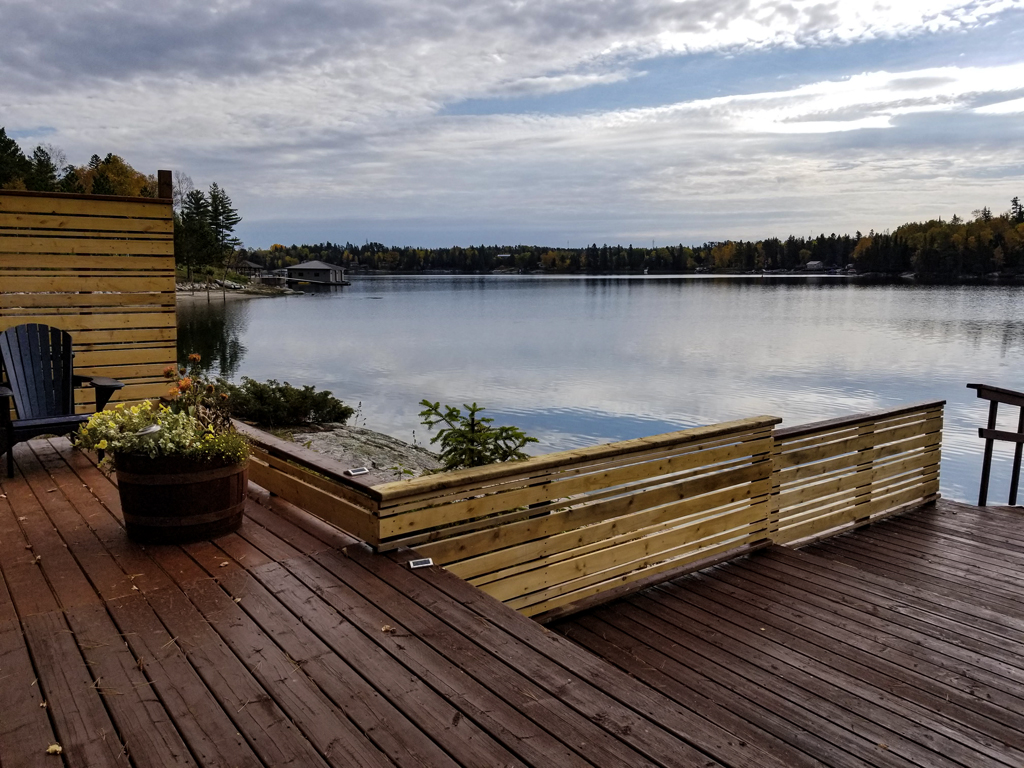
70	181
102	185
14	166
195	244
223	219
42	174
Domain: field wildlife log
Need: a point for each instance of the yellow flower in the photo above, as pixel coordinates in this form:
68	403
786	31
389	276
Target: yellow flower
102	445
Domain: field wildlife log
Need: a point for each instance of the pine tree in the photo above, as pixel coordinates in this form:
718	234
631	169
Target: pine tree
223	218
195	244
42	174
102	185
14	166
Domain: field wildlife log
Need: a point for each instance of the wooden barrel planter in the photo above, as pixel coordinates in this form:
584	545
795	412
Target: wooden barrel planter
173	500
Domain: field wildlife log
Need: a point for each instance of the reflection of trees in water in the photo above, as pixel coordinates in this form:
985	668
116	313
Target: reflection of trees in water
213	329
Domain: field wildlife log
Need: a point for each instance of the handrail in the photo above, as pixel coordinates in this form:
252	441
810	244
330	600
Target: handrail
995	396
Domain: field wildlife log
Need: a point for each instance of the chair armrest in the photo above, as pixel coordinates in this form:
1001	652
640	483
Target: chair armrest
102	381
5	392
105	388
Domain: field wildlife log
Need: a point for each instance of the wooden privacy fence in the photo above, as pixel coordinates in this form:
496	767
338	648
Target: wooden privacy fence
101	268
553	533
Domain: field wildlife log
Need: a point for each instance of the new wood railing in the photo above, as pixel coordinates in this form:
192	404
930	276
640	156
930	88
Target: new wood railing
554	533
833	474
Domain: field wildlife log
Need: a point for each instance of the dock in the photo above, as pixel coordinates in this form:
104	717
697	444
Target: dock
293	643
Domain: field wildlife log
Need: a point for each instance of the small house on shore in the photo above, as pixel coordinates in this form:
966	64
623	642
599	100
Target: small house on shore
250	269
317	272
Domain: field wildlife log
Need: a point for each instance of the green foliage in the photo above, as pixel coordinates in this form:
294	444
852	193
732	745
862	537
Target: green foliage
180	434
194	422
273	404
13	163
42	176
470	440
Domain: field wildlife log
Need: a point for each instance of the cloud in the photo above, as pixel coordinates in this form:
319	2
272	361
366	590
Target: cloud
314	110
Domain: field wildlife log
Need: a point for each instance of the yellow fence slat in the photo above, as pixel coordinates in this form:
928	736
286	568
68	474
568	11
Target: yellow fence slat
15	284
43	301
78	263
137	208
17	222
96	245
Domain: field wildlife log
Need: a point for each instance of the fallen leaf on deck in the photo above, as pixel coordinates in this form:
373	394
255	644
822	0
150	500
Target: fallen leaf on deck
238	599
224	563
388	629
42	704
54	749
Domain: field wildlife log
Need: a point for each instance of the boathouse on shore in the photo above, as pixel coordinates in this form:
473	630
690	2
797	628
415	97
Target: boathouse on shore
317	272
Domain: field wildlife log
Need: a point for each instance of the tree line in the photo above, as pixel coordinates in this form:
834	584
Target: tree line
958	248
204	222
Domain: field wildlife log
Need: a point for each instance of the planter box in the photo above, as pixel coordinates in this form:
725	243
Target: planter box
172	500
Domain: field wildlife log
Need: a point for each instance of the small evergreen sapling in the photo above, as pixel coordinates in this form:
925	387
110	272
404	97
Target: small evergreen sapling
470	440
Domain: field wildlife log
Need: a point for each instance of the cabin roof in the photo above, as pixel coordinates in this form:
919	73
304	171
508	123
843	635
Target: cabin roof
315	265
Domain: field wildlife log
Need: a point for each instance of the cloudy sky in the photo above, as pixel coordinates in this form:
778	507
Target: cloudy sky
441	122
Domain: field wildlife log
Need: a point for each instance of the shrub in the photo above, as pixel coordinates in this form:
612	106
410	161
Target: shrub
470	440
273	404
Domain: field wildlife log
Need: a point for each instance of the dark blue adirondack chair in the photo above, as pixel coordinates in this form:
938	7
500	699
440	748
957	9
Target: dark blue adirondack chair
38	362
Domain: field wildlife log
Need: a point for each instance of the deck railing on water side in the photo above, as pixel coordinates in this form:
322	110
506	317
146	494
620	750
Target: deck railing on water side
833	473
565	529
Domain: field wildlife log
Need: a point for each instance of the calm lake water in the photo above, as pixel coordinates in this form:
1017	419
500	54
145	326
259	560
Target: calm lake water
578	361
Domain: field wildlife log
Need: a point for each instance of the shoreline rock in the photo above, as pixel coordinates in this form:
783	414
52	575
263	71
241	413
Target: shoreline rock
387	458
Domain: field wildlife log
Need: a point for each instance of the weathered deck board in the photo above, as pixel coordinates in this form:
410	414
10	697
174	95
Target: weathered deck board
289	642
274	646
897	644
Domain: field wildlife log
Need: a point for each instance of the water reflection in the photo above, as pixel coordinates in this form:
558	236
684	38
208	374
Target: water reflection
213	327
581	361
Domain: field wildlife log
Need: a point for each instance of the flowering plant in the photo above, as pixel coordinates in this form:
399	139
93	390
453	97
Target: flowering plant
193	421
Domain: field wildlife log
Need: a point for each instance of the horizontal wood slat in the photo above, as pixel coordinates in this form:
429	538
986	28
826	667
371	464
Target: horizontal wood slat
312	493
86	205
75	263
63	224
36	302
97	245
101	268
833	474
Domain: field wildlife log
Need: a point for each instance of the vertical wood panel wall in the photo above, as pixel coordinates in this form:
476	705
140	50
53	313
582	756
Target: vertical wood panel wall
101	268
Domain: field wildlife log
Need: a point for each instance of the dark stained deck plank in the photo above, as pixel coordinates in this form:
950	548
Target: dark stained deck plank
253	712
883	656
393	733
581	666
511	727
767	666
853	635
81	723
755	721
147	733
25	728
204	725
857	666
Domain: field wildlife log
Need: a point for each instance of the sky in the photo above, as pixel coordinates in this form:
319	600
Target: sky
554	122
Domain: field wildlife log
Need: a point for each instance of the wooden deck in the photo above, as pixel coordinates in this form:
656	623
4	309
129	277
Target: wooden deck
899	644
290	643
